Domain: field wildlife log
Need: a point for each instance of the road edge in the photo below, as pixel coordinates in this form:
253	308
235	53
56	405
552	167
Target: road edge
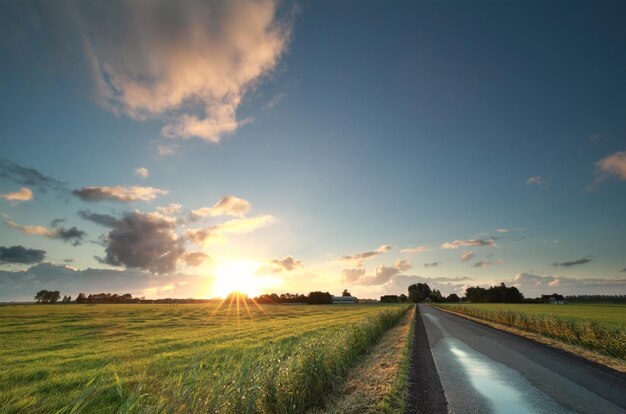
590	357
425	393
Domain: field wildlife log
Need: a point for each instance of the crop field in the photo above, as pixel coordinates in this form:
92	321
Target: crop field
185	358
600	328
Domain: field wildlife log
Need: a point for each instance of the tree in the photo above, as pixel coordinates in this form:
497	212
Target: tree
47	296
319	298
419	292
81	298
345	293
453	298
403	298
66	299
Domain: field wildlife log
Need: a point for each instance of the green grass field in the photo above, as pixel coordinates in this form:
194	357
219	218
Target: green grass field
185	358
600	328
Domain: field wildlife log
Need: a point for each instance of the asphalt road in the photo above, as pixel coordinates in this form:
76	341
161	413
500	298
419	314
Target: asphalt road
483	370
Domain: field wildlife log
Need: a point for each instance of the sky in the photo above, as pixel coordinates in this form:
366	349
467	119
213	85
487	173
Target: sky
188	149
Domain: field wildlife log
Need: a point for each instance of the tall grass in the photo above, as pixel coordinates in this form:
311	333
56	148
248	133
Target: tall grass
583	332
286	377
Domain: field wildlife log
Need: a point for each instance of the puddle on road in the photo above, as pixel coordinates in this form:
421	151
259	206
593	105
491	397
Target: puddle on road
505	389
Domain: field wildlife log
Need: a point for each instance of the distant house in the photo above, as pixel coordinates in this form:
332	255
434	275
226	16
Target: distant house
553	299
344	300
389	299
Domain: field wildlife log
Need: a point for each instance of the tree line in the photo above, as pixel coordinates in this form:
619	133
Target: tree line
421	292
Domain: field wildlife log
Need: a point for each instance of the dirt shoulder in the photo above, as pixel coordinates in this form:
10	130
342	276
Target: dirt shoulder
377	384
608	362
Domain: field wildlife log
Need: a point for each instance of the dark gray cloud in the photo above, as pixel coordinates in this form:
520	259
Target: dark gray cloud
582	261
624	269
56	222
73	235
432	264
29	176
140	240
118	193
21	254
482	263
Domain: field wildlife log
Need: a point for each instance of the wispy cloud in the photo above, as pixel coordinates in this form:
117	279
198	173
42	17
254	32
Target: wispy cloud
142	172
29	177
402	265
482	263
366	255
23	194
468	243
21	255
467	255
432	264
612	165
571	263
536	180
416	249
226	206
235	226
73	234
118	193
288	264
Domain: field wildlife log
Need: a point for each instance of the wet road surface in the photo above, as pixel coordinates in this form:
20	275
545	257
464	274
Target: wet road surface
483	370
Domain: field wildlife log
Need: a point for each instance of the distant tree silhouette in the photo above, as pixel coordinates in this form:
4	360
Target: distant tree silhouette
47	296
81	298
495	294
453	298
345	293
319	298
66	299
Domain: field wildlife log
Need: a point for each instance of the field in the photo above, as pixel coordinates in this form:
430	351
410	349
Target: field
600	328
185	358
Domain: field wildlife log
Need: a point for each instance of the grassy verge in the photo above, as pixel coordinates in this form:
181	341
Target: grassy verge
286	377
378	383
584	333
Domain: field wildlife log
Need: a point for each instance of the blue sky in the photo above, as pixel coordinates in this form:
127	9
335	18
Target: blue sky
335	128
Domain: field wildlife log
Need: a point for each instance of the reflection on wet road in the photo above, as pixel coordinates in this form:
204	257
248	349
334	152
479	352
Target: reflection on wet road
485	371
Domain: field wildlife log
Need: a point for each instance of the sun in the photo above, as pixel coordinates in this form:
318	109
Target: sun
236	275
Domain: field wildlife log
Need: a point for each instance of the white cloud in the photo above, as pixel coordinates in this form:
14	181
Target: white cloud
226	206
142	172
119	193
536	180
235	226
23	194
417	249
402	265
468	243
170	209
467	255
191	63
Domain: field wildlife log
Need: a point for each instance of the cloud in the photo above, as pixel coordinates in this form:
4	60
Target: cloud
235	226
195	258
482	263
165	150
140	240
56	222
287	264
21	255
119	193
468	243
142	172
573	262
29	177
226	206
72	234
366	255
190	64
383	275
467	255
22	285
23	194
402	265
432	264
612	165
503	230
170	209
535	285
275	100
352	275
417	249
536	180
